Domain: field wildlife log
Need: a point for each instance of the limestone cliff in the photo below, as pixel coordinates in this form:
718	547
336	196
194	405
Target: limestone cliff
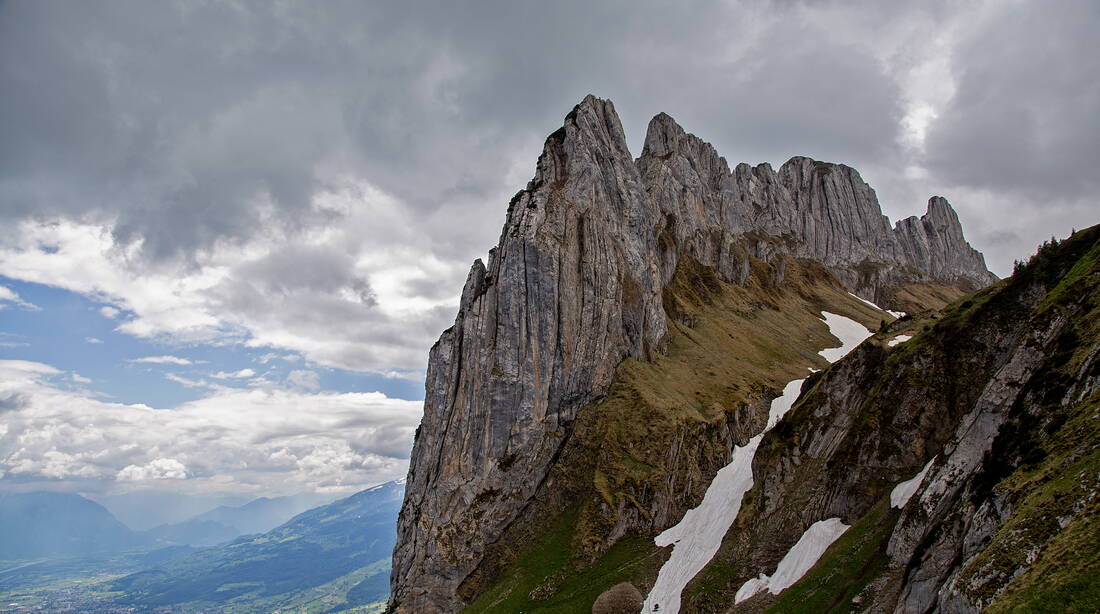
571	290
600	255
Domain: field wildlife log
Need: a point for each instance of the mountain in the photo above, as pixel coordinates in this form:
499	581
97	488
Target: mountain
642	342
39	524
331	557
225	522
260	515
146	509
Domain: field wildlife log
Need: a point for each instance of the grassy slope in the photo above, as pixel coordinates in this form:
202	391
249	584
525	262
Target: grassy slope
845	569
548	569
917	298
1057	517
728	347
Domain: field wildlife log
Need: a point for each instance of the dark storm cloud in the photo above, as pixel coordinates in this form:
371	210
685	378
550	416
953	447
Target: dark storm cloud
176	119
314	269
1024	116
815	98
189	126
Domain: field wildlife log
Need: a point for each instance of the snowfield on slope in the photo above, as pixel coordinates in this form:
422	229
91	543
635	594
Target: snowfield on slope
899	339
802	556
696	538
905	490
896	314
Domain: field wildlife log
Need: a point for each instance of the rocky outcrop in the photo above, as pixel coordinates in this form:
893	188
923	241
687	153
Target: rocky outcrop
825	212
934	243
575	286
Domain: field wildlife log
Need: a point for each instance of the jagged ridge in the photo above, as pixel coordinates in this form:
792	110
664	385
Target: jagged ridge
576	285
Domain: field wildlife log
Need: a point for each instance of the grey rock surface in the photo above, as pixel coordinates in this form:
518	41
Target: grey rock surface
826	212
574	287
571	290
934	243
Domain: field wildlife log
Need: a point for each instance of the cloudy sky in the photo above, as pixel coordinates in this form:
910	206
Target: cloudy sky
233	229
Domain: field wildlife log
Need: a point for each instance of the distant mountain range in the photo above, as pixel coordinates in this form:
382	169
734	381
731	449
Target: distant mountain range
41	524
50	524
336	556
326	559
145	509
225	522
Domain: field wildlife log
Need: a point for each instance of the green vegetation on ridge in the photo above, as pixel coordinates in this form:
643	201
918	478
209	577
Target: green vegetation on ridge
546	579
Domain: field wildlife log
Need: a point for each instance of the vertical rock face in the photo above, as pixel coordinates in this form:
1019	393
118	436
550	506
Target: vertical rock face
570	291
826	212
934	243
834	212
575	286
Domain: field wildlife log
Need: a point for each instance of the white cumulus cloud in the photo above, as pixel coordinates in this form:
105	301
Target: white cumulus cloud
7	295
257	439
156	469
234	374
302	378
357	288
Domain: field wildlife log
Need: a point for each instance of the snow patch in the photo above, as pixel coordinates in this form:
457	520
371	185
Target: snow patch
802	556
850	333
905	491
899	339
896	314
699	533
863	300
696	538
783	403
752	587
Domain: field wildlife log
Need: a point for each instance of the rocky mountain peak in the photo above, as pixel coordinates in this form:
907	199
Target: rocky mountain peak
661	135
935	243
664	136
835	212
577	284
688	157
